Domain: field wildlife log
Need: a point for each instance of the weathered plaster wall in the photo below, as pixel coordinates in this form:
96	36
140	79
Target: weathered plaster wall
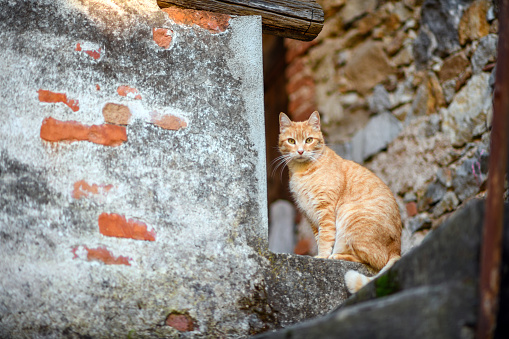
132	177
69	255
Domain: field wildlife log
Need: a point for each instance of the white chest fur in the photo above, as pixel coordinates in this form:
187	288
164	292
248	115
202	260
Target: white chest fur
304	197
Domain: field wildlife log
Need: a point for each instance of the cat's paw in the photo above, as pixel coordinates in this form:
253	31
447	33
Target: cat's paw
321	256
347	257
338	256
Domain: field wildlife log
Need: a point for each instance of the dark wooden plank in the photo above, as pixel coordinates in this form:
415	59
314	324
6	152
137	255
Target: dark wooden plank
296	8
296	19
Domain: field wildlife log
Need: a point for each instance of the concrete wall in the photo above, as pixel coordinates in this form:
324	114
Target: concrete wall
132	177
159	208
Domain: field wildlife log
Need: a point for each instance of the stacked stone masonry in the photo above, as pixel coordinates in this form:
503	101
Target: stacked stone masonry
405	88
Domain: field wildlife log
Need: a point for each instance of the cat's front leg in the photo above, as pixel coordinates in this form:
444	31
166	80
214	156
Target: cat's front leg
326	237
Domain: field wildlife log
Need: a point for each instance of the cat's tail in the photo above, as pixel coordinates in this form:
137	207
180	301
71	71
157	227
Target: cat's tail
355	280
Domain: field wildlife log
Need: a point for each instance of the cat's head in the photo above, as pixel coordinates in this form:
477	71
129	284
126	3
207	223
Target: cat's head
300	141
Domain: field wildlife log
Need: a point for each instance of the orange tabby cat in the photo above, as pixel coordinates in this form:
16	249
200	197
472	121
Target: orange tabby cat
353	214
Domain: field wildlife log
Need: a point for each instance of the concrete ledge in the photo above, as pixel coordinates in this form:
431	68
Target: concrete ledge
301	287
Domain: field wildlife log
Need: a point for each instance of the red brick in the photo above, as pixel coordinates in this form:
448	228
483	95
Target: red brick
93	53
116	114
180	322
83	189
411	208
304	96
295	48
129	92
162	37
103	255
303	247
52	97
213	22
168	121
298	82
294	68
53	130
303	112
116	225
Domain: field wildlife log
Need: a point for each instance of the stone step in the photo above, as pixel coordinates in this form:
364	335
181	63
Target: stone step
432	292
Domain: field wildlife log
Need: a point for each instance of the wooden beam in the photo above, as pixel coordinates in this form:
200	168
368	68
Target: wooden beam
295	19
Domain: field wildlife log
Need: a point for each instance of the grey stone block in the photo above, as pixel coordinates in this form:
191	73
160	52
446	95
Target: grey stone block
439	29
282	227
485	52
466	116
469	177
375	136
424	312
379	101
301	287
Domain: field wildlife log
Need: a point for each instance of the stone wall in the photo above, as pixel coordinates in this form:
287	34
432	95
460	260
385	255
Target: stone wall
404	87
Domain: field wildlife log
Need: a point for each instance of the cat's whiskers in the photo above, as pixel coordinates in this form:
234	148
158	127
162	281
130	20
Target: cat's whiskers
281	160
314	155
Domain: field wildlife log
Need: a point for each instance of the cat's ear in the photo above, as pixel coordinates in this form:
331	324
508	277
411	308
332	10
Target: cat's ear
284	121
314	120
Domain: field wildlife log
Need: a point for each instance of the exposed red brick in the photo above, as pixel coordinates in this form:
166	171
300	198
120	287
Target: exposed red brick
295	48
303	247
294	68
168	121
105	256
213	22
129	92
296	83
97	87
303	97
116	114
162	37
116	225
83	189
74	250
93	53
49	96
53	130
303	112
181	322
411	208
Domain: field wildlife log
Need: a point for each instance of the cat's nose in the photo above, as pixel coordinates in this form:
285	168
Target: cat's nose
300	151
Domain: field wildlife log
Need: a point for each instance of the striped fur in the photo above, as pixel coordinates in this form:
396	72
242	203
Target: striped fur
353	214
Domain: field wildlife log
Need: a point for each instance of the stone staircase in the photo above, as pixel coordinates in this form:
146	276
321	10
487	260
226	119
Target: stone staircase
432	292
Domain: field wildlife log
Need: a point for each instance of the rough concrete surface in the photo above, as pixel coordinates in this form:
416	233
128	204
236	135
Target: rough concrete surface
162	230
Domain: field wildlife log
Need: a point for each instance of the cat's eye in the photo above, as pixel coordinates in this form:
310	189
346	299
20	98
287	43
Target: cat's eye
291	141
309	140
